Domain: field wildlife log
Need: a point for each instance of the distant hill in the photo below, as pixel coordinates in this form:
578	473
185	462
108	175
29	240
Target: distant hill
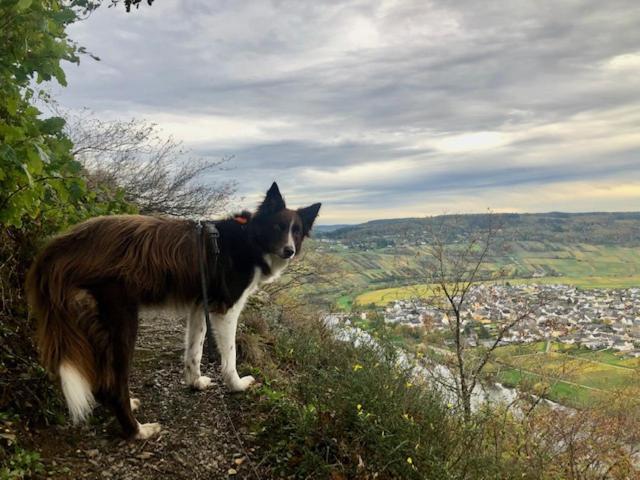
588	250
328	228
598	228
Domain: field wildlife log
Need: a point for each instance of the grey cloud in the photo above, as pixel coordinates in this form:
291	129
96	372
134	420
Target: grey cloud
283	155
441	68
496	60
459	174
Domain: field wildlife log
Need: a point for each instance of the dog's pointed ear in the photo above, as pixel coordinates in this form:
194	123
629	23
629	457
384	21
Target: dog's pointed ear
273	202
308	216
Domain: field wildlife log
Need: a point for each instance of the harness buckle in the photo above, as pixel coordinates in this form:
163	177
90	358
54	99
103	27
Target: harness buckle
213	232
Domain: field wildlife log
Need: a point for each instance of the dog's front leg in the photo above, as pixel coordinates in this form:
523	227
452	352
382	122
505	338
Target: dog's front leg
224	327
194	339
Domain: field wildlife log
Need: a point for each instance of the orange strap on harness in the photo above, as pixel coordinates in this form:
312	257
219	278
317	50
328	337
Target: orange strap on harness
240	220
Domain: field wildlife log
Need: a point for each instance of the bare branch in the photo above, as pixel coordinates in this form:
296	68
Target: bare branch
456	270
154	172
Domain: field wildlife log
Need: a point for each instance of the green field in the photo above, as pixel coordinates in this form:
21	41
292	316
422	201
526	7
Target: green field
383	296
572	375
344	302
558	391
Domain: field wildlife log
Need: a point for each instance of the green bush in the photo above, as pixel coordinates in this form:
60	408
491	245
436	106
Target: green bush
335	409
37	169
21	463
329	409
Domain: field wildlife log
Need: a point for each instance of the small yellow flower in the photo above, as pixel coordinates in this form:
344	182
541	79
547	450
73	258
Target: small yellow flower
359	406
409	460
357	367
408	384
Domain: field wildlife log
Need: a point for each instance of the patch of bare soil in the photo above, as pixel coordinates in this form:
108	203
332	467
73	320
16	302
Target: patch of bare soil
198	438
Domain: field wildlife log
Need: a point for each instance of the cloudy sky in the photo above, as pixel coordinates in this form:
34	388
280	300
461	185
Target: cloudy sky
385	109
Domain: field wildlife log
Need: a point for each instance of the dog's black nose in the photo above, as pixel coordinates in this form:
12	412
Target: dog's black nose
287	252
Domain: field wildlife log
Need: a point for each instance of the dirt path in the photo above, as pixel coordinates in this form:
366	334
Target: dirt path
197	441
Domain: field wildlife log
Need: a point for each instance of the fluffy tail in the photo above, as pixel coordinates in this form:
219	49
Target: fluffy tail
63	314
77	392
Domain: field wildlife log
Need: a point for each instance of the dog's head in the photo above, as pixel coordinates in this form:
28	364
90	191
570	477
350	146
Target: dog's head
279	230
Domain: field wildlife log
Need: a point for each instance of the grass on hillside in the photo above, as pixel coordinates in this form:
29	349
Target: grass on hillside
331	409
341	411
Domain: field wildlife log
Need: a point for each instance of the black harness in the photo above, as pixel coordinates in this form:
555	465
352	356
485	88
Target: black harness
207	230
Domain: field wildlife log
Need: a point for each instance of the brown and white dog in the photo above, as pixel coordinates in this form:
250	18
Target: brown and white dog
87	285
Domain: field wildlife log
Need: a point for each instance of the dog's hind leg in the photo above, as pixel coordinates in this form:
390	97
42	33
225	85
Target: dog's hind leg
194	340
119	314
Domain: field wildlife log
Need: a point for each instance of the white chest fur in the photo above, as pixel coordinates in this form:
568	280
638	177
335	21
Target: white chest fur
277	266
224	328
251	288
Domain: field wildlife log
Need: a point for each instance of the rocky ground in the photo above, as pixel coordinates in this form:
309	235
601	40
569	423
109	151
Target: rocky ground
198	438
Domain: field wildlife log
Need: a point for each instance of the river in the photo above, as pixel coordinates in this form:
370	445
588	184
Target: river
436	375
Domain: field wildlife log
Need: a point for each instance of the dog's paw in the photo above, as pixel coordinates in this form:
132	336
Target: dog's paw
201	383
147	430
135	404
242	384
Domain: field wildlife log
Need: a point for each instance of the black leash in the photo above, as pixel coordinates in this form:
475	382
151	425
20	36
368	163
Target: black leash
205	229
